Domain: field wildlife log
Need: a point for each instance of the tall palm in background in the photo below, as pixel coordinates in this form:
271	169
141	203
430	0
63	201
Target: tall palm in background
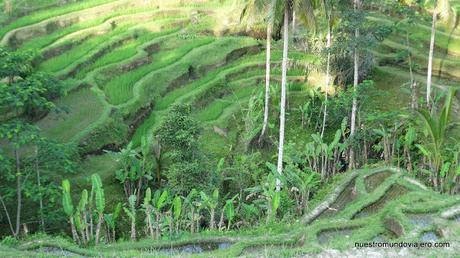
262	8
443	9
304	9
357	6
328	6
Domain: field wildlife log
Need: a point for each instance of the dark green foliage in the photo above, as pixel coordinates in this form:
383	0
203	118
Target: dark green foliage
179	135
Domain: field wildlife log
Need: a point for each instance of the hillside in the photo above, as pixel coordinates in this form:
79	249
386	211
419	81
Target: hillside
156	93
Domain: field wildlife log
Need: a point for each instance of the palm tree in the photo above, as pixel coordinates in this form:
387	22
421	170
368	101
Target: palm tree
436	126
328	9
443	7
357	5
305	8
430	57
254	8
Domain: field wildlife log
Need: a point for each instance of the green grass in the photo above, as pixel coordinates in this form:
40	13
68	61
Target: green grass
158	81
420	35
49	13
281	239
121	53
87	26
84	109
120	88
64	60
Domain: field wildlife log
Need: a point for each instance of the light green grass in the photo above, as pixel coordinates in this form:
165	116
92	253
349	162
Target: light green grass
120	88
84	109
121	53
62	61
49	13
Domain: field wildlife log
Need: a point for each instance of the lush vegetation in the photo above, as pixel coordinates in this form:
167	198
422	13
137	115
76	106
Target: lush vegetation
227	128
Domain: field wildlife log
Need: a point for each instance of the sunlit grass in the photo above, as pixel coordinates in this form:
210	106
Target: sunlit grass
48	13
119	88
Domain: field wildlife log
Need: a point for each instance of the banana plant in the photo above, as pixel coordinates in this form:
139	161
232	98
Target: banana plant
100	202
250	213
111	221
69	209
301	183
189	205
81	221
177	211
159	201
135	169
131	212
229	211
148	212
269	192
210	203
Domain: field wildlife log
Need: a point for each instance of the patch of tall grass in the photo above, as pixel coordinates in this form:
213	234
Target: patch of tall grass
120	88
49	13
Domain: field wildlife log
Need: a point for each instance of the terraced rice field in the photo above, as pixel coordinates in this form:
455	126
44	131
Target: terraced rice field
127	62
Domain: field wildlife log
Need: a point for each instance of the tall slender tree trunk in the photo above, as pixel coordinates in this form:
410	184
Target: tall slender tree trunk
7	215
328	71
133	230
413	84
148	214
293	22
98	227
283	96
267	81
18	192
40	197
355	89
74	231
430	57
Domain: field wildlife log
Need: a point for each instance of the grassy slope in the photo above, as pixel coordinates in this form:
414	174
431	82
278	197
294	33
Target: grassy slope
86	106
283	239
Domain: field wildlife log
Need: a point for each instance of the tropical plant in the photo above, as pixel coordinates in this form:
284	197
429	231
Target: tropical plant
177	211
160	200
100	202
111	221
210	203
69	208
435	128
131	212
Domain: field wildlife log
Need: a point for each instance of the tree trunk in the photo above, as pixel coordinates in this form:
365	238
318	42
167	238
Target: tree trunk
8	7
18	193
328	71
413	84
98	227
7	215
74	232
221	220
293	22
213	223
283	97
133	230
157	226
192	224
355	89
40	197
267	81
149	223
430	58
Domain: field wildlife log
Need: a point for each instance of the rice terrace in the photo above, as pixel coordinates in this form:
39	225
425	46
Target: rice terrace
229	128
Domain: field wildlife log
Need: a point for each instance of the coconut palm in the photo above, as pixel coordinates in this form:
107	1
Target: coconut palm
329	12
254	8
441	8
356	6
305	9
436	127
